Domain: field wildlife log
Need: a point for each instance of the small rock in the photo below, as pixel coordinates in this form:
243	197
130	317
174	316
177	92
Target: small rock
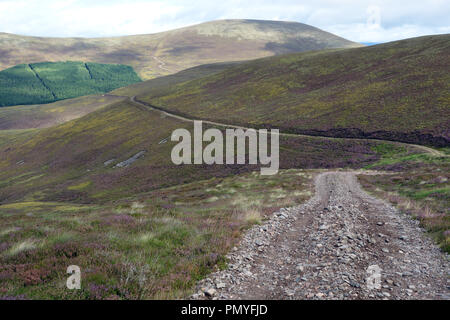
211	292
220	285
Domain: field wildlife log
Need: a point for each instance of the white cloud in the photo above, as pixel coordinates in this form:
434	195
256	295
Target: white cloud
88	18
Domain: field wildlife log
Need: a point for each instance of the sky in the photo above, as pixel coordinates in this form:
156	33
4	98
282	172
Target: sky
356	20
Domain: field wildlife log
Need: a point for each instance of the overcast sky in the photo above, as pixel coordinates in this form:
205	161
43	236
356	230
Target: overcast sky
357	20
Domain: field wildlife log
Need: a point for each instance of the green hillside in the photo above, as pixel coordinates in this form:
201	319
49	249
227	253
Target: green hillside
51	81
396	91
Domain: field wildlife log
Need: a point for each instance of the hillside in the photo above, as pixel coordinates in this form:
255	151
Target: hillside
397	91
164	83
47	115
43	164
65	199
51	114
165	53
51	81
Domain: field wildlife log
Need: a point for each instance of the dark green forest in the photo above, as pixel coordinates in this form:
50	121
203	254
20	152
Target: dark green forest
51	81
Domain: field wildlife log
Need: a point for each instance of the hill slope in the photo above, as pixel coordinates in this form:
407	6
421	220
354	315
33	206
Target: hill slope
51	114
397	91
48	82
165	53
43	164
47	115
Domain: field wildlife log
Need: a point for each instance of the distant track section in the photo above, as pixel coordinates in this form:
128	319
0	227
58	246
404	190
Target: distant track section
183	117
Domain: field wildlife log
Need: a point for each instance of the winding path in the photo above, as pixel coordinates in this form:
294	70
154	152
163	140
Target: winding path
429	150
161	64
329	247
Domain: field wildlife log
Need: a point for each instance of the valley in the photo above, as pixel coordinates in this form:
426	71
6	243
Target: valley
86	176
345	93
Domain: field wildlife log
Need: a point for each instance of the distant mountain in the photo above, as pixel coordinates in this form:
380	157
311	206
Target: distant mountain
397	91
168	52
370	43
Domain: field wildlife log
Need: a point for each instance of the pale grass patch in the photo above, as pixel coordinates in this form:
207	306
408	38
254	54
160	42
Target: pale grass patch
137	207
253	215
113	236
278	194
145	237
306	193
212	199
287	202
136	272
7	231
22	246
245	203
167	220
406	204
427	213
230	191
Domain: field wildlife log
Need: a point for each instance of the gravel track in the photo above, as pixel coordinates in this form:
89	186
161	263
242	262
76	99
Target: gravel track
323	248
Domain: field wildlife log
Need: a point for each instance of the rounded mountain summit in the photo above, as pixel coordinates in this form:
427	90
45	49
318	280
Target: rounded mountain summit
153	55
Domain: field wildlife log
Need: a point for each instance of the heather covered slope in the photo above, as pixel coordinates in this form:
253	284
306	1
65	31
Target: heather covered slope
397	91
165	83
168	52
50	114
76	161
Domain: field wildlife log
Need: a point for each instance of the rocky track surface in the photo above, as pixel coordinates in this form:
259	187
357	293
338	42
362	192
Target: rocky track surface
324	248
